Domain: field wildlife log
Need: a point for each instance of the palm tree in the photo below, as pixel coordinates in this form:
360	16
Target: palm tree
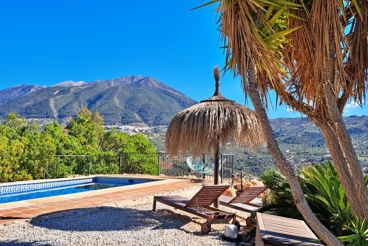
314	55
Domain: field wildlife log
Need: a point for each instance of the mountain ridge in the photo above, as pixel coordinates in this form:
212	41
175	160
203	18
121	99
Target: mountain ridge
125	100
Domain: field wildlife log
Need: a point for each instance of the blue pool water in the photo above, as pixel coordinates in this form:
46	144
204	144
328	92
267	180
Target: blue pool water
67	189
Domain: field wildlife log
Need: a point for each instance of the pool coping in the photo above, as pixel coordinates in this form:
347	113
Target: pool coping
29	202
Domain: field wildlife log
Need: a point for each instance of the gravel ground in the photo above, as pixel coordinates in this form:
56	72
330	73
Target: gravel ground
117	224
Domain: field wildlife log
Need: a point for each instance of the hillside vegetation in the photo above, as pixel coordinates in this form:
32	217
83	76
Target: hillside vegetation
83	147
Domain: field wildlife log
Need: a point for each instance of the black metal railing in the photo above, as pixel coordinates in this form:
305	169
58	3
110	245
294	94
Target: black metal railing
160	163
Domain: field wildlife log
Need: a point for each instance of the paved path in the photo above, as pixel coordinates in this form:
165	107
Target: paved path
20	211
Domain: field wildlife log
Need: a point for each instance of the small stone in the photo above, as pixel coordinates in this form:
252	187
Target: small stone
231	231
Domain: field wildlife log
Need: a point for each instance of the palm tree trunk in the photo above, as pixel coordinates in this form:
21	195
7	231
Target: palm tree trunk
339	142
285	167
347	181
344	157
341	149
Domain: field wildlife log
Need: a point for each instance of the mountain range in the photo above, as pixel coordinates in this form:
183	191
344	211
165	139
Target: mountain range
128	100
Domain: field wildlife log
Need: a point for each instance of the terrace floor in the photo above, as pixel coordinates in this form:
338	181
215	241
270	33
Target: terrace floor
15	212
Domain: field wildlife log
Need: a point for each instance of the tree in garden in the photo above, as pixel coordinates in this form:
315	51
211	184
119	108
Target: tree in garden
85	133
60	137
39	151
314	55
11	151
16	124
87	128
89	137
114	140
139	155
61	166
25	151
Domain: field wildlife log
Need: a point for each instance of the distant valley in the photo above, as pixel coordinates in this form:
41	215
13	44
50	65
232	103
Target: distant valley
300	140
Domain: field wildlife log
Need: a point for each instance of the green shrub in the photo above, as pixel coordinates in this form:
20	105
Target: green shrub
323	192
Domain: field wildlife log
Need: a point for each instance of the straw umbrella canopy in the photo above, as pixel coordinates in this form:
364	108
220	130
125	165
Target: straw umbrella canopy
204	127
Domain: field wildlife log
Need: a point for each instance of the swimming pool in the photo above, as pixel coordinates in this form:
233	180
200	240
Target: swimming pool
31	190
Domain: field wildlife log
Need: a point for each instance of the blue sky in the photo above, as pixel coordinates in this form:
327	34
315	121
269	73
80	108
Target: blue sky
46	42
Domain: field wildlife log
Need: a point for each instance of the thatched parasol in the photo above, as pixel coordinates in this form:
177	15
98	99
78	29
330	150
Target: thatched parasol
203	127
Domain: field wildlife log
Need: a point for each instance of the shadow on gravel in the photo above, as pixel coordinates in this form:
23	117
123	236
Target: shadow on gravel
110	219
16	243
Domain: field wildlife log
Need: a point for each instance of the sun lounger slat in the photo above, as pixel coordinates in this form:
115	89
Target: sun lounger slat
249	194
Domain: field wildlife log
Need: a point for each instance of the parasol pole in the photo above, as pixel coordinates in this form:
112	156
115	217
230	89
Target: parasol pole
216	162
216	169
216	73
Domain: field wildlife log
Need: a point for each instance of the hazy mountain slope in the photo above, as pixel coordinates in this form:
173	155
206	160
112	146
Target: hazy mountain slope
10	94
125	100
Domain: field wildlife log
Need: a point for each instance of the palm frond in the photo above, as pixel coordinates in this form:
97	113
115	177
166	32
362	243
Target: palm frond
249	34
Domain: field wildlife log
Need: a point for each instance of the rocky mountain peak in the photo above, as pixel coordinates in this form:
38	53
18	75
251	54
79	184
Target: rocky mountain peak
70	83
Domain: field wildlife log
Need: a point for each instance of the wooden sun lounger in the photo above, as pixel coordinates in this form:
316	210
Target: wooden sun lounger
275	230
200	205
243	201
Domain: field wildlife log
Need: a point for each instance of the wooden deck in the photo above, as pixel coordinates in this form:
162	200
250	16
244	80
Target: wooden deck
277	230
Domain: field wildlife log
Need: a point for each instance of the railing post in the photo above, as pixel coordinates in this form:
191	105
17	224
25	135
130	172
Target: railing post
204	163
158	163
222	168
119	163
89	165
57	169
232	165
